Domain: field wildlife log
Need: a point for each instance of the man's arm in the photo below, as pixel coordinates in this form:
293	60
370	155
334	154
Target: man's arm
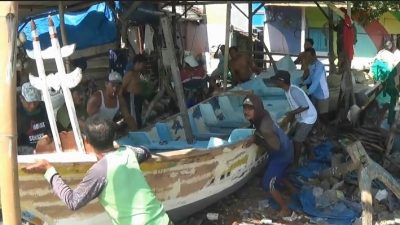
94	103
315	77
88	189
216	55
123	106
271	139
299	59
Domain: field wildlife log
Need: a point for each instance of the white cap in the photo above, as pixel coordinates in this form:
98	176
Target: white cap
30	93
191	61
114	77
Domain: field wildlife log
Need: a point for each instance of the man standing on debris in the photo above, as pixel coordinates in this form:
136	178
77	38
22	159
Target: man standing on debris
318	89
32	121
271	137
302	109
115	179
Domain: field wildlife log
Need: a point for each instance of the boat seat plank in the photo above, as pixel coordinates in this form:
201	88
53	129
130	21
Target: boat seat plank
228	110
211	119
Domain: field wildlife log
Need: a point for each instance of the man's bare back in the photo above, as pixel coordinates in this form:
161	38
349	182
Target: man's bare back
243	68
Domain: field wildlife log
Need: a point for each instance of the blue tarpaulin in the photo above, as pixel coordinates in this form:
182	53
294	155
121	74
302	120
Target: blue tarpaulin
343	212
91	27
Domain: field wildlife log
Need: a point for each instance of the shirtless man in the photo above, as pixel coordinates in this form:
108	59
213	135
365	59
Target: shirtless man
242	66
131	90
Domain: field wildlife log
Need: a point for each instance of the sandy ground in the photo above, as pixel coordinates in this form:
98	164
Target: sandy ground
242	207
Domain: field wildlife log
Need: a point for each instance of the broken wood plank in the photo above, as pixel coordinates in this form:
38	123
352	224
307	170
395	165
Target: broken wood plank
368	170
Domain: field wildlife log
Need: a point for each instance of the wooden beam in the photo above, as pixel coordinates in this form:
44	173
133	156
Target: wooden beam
250	31
132	8
270	56
322	10
331	54
166	27
9	190
258	8
227	38
244	14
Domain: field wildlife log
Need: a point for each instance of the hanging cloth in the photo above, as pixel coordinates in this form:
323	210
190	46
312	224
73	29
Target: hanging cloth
348	37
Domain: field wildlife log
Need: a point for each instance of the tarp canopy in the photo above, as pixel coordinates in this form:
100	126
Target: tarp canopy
87	28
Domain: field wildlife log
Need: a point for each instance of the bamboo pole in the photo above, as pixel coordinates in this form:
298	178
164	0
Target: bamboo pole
250	17
227	37
9	189
166	27
63	33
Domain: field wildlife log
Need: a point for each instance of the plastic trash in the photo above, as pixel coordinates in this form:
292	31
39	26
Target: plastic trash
212	216
262	204
317	191
381	195
266	221
291	218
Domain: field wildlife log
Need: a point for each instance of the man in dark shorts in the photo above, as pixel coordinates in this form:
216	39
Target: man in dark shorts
273	139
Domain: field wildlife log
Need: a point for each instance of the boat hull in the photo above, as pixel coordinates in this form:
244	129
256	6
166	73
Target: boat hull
185	181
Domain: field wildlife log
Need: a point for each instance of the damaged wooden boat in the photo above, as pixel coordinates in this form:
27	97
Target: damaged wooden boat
185	177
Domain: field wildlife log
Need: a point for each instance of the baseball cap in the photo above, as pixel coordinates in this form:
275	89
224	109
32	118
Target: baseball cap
114	77
248	102
281	75
30	93
191	61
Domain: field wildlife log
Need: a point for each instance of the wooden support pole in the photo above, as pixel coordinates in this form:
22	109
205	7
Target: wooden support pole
258	8
63	33
132	8
251	28
303	28
332	67
9	189
270	56
227	38
166	26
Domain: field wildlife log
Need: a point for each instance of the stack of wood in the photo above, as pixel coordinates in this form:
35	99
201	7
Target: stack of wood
373	139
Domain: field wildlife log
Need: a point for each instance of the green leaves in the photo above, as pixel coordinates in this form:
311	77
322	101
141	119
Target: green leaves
369	11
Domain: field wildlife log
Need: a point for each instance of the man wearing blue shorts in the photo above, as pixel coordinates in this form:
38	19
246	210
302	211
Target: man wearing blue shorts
271	137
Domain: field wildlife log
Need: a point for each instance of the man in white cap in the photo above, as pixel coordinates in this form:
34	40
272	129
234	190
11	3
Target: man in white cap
105	103
32	121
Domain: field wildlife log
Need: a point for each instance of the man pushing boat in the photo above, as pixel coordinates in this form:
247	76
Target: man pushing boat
116	179
268	135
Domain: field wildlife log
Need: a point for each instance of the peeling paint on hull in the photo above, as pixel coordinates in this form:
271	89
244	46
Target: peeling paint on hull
185	181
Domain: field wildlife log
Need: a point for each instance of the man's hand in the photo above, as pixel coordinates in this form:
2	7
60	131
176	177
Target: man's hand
40	166
290	116
249	142
47	139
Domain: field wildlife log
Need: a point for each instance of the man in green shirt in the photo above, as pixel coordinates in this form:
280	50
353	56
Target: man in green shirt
116	179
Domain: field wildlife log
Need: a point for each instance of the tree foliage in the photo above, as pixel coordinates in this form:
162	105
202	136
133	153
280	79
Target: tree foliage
368	11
